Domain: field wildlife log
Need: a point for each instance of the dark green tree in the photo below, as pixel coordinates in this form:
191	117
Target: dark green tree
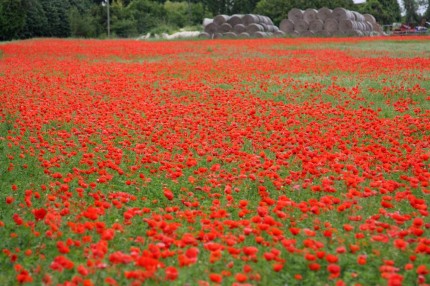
36	22
426	15
411	15
82	24
123	24
244	6
384	11
12	19
147	14
57	13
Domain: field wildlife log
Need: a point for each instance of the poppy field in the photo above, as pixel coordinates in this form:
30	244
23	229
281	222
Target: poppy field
218	162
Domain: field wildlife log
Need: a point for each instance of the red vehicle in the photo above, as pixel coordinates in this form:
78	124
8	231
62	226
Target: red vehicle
404	29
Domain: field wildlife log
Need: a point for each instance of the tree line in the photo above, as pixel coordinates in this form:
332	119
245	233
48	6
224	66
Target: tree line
21	19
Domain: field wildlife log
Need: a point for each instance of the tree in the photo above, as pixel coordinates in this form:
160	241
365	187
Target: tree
411	15
82	24
122	22
244	6
57	14
147	14
384	11
426	15
217	7
12	19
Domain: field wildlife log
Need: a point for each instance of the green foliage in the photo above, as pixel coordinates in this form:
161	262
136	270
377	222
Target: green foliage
384	11
81	25
411	15
57	13
147	14
123	24
36	22
163	29
12	18
244	6
178	13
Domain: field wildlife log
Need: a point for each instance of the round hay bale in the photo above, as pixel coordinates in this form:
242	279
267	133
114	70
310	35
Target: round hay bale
316	25
272	28
369	26
221	19
324	13
357	33
207	21
286	26
239	28
262	19
244	35
295	15
310	14
260	34
211	28
253	28
249	19
361	26
225	27
265	26
347	25
307	34
268	20
217	36
301	26
235	19
204	35
230	35
369	18
342	14
331	25
376	27
279	34
358	16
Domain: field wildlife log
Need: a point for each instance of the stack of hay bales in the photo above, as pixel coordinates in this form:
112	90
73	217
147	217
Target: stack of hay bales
240	26
327	22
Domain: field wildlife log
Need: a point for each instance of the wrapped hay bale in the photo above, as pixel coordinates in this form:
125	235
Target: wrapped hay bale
301	26
342	14
239	28
235	20
260	34
225	27
346	26
253	28
324	13
279	34
205	35
221	19
230	35
244	35
287	26
310	15
295	15
250	19
331	25
316	26
370	18
211	28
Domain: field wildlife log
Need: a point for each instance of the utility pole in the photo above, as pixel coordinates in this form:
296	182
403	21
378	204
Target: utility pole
108	18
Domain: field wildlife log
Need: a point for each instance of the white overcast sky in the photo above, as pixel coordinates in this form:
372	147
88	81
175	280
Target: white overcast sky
421	10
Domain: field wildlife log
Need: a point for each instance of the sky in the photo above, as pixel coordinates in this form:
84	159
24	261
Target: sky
421	10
